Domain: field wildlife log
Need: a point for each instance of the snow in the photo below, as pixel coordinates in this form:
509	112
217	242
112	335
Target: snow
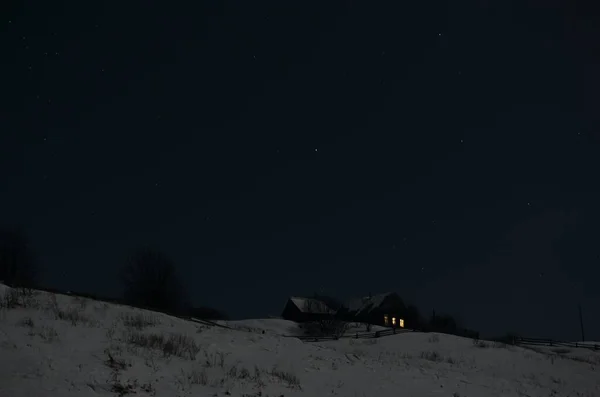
356	304
309	305
269	325
59	345
290	328
374	303
366	304
587	342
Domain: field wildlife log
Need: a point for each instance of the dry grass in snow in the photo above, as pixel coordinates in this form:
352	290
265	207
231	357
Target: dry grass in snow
56	345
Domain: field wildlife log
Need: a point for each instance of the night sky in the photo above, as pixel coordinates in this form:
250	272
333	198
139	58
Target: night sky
449	151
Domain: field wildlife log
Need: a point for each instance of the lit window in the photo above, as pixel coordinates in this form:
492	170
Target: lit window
386	320
401	322
393	320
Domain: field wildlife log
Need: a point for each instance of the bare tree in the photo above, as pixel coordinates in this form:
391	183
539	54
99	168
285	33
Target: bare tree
326	322
17	264
150	280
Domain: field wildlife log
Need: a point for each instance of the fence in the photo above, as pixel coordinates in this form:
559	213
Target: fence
551	342
364	335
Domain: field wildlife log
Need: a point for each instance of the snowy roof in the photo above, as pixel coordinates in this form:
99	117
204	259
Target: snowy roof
366	305
355	305
310	305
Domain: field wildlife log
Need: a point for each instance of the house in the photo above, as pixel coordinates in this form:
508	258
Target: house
305	309
386	309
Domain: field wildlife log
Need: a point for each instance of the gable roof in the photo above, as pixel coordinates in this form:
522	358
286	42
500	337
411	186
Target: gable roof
356	304
310	305
366	305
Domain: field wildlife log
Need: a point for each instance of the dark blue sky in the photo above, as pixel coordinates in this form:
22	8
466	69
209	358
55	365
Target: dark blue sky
445	151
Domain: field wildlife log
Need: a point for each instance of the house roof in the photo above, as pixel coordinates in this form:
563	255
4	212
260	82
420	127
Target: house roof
310	305
366	305
356	304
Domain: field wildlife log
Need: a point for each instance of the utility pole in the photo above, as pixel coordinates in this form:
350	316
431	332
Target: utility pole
581	324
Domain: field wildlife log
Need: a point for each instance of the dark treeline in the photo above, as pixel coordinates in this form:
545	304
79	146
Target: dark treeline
149	277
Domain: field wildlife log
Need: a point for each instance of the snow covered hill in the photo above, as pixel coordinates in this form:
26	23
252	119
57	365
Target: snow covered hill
57	345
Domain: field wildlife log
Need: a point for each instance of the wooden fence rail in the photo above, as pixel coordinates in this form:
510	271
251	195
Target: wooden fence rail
364	335
551	342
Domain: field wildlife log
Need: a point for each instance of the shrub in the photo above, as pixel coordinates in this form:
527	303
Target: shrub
72	315
117	364
26	322
480	343
328	326
198	377
291	379
138	321
432	356
10	299
173	345
48	334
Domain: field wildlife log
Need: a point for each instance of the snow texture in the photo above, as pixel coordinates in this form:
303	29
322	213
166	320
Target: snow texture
63	346
366	304
309	305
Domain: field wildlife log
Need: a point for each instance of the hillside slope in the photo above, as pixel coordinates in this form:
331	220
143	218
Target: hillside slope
57	345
